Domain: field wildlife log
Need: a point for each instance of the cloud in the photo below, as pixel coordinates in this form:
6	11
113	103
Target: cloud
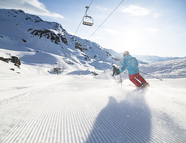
136	10
29	6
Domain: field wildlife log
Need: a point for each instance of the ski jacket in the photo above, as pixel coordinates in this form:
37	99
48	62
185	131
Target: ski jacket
116	71
131	64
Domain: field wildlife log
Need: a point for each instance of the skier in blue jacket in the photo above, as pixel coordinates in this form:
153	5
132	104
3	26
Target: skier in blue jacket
131	64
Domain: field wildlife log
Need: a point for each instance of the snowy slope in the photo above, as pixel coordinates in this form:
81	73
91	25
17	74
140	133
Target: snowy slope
167	69
64	108
37	42
81	109
37	106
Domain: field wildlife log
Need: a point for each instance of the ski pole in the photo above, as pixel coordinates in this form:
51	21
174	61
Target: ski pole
151	75
120	79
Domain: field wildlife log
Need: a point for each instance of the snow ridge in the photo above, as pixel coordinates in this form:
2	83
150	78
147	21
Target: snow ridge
168	69
37	40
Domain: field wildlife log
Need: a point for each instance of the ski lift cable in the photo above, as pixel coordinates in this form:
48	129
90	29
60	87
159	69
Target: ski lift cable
106	19
90	3
82	18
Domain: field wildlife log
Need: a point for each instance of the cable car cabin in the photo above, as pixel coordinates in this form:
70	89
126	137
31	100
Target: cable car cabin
88	20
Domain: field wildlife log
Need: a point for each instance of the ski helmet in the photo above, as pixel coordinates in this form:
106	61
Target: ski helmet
125	53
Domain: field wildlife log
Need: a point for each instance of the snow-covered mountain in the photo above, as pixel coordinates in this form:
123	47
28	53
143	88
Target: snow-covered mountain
38	42
42	46
37	106
175	68
144	59
153	59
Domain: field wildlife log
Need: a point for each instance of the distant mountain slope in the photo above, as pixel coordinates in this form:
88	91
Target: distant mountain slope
153	59
36	41
144	59
168	69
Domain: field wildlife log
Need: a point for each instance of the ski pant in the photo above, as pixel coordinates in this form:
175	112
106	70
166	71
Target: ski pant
137	79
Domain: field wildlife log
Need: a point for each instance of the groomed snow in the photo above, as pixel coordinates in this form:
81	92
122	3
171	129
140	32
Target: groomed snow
83	108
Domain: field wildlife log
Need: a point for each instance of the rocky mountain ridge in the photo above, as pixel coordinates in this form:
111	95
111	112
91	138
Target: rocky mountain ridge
25	33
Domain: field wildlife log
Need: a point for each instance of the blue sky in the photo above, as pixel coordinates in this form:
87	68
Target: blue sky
143	27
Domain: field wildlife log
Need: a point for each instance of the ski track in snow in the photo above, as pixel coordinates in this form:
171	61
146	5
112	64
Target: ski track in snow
72	110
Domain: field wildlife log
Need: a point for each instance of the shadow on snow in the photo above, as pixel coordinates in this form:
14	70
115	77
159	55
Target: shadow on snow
122	122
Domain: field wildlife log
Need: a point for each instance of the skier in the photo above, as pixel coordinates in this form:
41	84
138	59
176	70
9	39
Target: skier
131	64
116	72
